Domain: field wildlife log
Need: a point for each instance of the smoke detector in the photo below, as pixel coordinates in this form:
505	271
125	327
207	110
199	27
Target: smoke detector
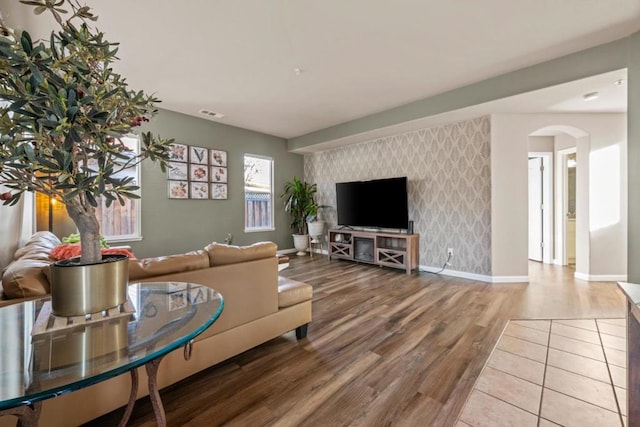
212	114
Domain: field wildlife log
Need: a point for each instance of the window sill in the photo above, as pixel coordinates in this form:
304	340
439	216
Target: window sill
258	230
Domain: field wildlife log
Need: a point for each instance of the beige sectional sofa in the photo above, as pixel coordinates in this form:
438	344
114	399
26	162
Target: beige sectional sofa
259	306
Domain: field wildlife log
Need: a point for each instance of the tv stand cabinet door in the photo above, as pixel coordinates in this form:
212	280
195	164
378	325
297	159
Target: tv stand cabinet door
392	258
340	250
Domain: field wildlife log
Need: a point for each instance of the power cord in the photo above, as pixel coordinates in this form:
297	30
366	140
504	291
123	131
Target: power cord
446	263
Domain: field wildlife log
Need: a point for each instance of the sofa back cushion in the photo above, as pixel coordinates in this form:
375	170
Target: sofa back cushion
221	254
158	266
24	277
250	291
39	245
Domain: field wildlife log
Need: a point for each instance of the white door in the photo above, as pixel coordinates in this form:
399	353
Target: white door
535	209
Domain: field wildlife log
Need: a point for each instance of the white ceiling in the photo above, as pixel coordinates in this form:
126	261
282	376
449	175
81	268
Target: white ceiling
357	57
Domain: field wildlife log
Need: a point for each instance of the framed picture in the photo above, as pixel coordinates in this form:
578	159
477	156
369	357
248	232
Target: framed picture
178	189
219	191
198	173
199	190
198	296
178	153
178	171
198	155
218	174
218	158
177	300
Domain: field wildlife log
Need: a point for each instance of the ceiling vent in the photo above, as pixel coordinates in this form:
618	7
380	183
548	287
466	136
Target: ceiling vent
212	114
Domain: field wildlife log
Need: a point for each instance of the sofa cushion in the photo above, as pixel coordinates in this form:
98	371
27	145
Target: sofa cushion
291	292
222	254
38	246
149	267
24	278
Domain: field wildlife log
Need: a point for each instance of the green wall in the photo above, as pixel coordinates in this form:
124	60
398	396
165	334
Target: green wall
172	226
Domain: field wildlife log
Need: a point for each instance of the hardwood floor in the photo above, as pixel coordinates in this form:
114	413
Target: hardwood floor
384	348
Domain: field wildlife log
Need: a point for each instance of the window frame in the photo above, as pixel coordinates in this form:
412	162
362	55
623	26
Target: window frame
271	194
138	220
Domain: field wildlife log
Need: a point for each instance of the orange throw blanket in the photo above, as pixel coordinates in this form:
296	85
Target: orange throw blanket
70	250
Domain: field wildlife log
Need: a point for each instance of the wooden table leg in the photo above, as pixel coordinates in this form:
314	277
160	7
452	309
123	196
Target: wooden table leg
28	415
132	398
154	394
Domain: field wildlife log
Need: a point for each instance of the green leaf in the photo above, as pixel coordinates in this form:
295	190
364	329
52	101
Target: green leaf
46	162
36	74
17	105
72	112
130	195
92	200
74	134
71	97
26	43
110	93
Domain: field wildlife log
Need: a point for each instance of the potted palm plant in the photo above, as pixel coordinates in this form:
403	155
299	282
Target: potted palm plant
299	201
63	113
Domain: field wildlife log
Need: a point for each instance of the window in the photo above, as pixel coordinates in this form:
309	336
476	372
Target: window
122	222
258	193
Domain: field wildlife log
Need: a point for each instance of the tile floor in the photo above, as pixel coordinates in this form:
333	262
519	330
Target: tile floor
553	372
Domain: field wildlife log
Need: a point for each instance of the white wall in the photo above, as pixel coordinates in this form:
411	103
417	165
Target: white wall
509	199
541	144
605	175
584	242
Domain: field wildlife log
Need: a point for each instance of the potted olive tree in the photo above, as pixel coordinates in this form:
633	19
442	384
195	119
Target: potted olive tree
299	201
63	113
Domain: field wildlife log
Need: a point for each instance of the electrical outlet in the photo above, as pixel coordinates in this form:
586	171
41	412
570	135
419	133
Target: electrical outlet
450	252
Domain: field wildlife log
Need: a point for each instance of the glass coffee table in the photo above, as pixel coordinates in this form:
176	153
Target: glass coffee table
44	356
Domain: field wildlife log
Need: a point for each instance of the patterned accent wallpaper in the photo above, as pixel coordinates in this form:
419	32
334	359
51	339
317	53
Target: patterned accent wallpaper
449	183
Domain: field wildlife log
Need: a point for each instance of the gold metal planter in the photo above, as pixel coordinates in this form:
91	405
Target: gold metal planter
79	289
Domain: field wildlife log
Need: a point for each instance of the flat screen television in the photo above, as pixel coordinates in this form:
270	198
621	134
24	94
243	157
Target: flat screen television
379	203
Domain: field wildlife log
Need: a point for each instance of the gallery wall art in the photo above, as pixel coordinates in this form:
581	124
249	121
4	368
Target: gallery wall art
197	173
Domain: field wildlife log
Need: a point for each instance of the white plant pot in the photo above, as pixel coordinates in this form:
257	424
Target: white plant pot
301	243
316	229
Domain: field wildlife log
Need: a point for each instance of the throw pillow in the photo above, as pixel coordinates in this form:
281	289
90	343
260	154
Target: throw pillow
70	250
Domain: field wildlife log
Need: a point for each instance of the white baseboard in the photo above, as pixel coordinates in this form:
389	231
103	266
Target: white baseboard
474	276
510	279
294	250
286	251
601	277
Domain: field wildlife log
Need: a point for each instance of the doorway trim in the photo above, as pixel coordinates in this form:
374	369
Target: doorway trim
547	201
562	202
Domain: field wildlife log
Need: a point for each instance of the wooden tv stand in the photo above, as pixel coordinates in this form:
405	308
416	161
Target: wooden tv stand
396	250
